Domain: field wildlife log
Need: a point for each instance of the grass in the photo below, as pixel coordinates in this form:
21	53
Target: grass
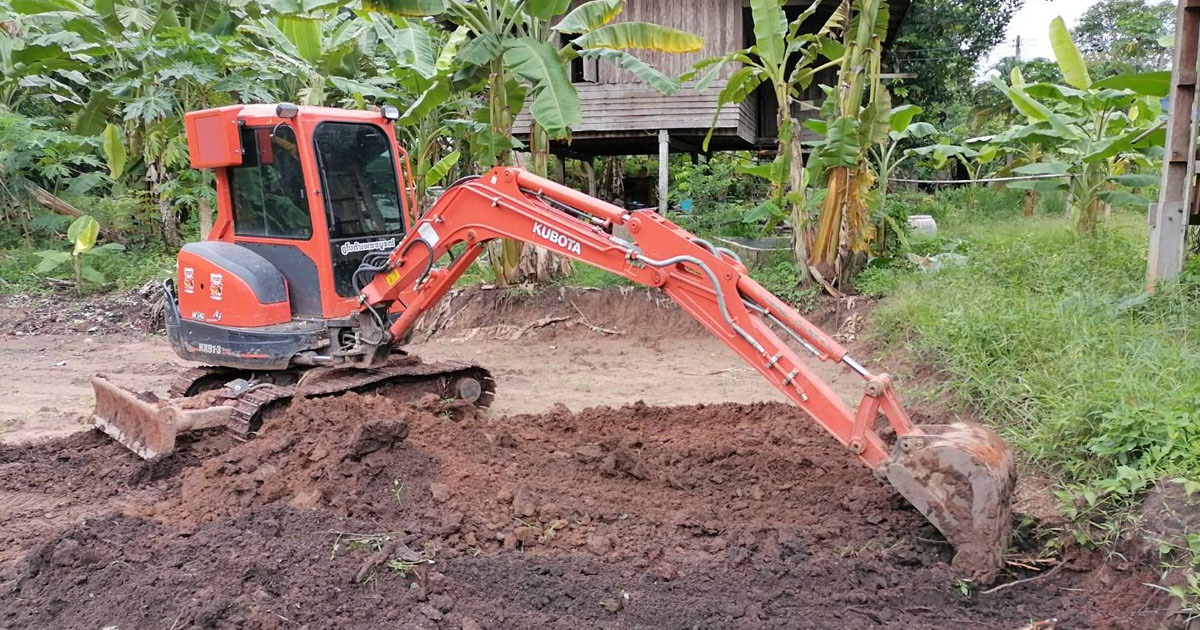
1050	336
122	271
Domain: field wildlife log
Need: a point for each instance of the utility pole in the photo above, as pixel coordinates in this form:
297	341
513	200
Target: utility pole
1018	53
1169	218
664	171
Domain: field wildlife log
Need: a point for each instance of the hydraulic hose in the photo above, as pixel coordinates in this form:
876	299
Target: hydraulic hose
712	277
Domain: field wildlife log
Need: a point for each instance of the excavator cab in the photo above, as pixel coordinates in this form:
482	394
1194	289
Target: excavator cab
304	195
363	207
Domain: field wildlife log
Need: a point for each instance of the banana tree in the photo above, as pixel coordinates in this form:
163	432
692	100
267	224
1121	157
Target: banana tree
785	57
520	51
895	150
136	63
82	235
858	117
1095	130
976	156
410	57
1023	158
315	55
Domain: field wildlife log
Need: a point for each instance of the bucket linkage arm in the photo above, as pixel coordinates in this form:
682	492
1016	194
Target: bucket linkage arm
960	476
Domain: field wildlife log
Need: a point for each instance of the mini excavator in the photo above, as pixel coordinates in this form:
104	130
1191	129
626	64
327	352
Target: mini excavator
319	264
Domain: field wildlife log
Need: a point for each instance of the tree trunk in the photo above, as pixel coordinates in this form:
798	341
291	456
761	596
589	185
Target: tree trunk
612	179
539	150
206	218
504	255
57	205
823	255
168	214
537	264
845	232
1087	219
789	142
1029	203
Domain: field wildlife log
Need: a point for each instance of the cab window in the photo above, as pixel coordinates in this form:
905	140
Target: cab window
361	195
268	188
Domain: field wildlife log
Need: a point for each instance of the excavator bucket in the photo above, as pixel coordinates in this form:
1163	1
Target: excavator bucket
961	477
145	425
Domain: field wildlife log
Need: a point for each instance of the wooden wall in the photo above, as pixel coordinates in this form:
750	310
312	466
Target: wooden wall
624	110
719	22
621	115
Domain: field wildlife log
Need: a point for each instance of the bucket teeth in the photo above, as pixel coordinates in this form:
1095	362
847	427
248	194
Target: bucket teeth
961	477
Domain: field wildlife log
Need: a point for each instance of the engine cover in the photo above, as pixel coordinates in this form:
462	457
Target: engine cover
229	285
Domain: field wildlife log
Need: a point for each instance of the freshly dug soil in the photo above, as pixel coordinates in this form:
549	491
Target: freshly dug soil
355	512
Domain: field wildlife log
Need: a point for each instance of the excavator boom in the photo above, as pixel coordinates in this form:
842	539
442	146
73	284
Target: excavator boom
960	476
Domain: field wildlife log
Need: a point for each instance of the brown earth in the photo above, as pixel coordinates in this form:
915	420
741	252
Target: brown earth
538	347
356	512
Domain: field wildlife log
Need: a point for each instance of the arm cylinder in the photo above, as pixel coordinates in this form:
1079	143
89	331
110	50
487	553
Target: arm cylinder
568	196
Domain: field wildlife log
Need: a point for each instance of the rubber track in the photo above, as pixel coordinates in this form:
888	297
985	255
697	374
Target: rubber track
250	405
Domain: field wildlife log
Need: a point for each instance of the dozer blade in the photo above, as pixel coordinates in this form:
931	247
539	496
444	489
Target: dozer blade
961	477
142	426
147	427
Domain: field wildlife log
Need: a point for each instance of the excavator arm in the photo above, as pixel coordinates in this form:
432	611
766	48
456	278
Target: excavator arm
960	476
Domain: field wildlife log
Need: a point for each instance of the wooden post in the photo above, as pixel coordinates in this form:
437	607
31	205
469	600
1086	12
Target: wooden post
560	169
664	169
590	169
206	218
1169	218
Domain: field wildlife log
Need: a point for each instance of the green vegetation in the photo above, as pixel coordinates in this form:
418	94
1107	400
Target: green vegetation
1094	132
82	235
1049	335
1123	36
784	58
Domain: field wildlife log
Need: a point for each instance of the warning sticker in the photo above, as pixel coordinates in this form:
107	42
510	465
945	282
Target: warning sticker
216	286
429	234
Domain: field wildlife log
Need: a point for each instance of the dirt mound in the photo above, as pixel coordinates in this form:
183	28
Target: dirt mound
47	486
638	313
354	512
271	567
344	455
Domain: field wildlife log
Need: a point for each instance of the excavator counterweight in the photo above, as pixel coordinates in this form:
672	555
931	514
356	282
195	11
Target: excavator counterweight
318	269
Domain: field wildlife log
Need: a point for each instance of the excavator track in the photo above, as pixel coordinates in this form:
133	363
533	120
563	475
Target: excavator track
319	382
445	378
195	380
149	427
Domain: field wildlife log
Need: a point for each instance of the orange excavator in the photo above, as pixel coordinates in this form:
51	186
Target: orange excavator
320	263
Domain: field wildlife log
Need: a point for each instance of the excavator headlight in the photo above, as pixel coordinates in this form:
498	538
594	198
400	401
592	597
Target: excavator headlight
287	110
390	112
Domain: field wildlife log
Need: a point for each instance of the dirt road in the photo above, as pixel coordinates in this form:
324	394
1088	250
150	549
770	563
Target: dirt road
667	361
